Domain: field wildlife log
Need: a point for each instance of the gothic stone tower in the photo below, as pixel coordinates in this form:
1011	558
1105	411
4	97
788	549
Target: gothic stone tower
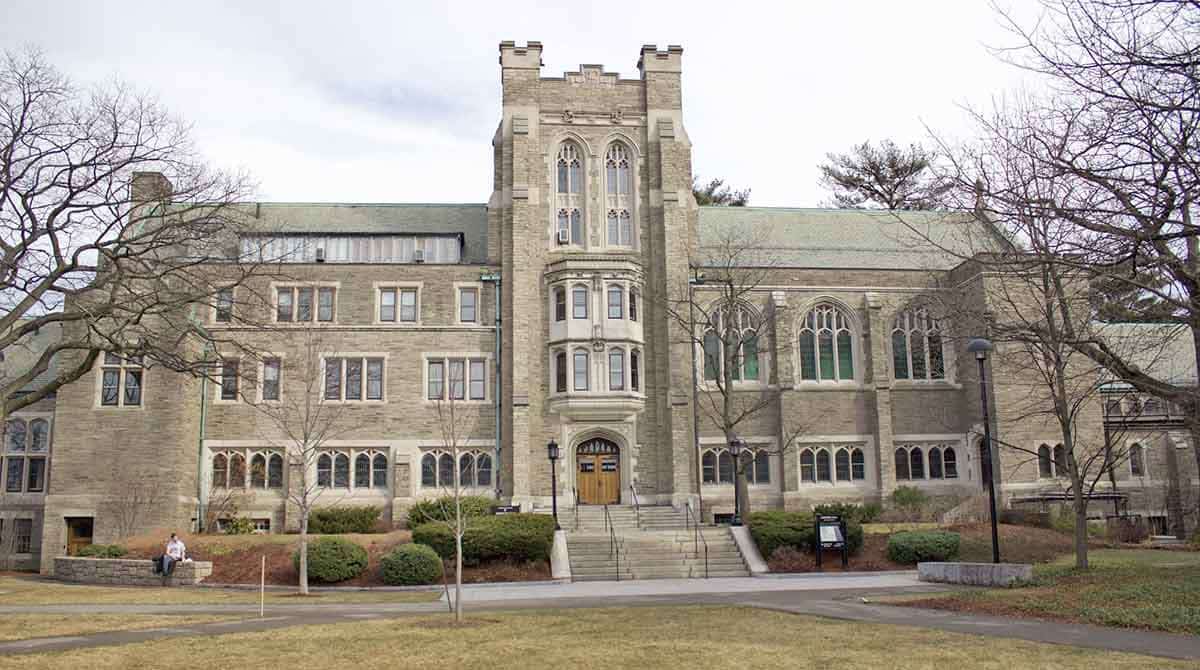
593	218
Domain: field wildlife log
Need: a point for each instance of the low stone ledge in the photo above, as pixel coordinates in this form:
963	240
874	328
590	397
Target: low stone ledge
975	574
127	571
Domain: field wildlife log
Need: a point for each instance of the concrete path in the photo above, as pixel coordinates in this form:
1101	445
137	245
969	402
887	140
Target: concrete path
839	596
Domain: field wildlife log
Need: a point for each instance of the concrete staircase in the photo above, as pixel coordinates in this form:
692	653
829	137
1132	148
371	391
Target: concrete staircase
660	548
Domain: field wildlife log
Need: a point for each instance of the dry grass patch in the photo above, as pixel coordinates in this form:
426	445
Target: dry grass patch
28	626
652	637
32	591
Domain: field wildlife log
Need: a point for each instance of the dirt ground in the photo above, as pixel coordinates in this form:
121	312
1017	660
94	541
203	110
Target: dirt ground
237	559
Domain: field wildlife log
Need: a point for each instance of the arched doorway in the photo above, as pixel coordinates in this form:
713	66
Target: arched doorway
598	477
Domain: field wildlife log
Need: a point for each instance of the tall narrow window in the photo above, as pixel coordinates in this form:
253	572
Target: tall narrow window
379	471
478	380
858	465
408	305
842	465
935	463
374	379
325	303
283	304
826	345
1060	461
457	380
916	461
901	464
237	472
333	379
560	304
429	470
569	195
362	471
229	380
560	372
1044	468
436	380
220	471
616	370
581	371
708	466
446	470
483	469
633	306
17	432
387	304
39	436
808	472
762	467
917	347
724	467
224	311
823	465
1137	465
271	369
579	298
354	378
467	299
635	370
275	472
341	471
616	302
618	195
466	470
258	471
304	304
950	463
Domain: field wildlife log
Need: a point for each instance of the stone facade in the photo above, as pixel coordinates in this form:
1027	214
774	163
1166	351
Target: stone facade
589	231
127	572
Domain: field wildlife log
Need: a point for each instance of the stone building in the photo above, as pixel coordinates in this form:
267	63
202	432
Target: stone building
545	314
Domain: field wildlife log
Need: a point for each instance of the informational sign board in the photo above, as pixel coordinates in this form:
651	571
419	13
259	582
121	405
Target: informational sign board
830	534
508	509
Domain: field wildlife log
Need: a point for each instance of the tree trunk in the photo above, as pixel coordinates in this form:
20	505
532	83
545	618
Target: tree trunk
1081	526
743	493
304	552
458	561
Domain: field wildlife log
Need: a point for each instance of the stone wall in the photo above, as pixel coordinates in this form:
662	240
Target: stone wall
127	572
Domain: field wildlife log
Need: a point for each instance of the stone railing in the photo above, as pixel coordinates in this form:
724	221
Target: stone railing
975	574
127	571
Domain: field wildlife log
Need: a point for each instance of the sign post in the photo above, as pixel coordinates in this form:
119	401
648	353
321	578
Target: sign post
830	533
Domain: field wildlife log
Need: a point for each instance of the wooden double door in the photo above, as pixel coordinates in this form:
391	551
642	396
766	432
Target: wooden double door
598	477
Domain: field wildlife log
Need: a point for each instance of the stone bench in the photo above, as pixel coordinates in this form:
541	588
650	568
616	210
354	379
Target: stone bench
975	574
127	571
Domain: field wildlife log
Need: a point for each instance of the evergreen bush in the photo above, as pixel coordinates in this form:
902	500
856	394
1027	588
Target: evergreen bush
333	559
510	537
342	520
411	564
442	509
774	529
910	547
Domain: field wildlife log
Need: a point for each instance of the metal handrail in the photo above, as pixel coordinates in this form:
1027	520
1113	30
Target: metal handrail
637	508
690	521
575	490
614	547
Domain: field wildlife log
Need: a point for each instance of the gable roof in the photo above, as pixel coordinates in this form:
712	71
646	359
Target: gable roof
849	238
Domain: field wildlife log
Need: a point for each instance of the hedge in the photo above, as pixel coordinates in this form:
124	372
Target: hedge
510	537
442	509
333	559
861	513
922	545
410	564
341	520
101	551
774	529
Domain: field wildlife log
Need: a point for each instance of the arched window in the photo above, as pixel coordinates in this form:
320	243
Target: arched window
446	470
483	468
220	471
341	471
362	471
950	463
237	472
39	435
823	474
916	463
569	194
325	470
762	467
616	370
841	462
808	472
16	435
275	472
901	463
1137	464
826	345
708	467
935	463
616	302
379	471
560	304
1044	468
858	465
724	467
581	370
917	347
738	328
633	305
429	470
258	471
618	195
1060	461
466	470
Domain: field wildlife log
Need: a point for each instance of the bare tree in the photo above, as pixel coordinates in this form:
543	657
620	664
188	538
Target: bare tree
883	177
119	268
135	503
302	423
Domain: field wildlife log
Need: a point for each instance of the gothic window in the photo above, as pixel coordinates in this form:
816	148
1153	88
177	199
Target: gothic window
823	474
220	471
275	472
446	470
826	345
808	471
762	467
901	463
917	347
1045	470
429	470
258	471
237	472
341	471
1137	463
1060	461
708	466
916	461
841	462
466	470
935	463
569	195
950	463
724	467
858	465
736	328
362	471
379	471
618	196
483	469
17	430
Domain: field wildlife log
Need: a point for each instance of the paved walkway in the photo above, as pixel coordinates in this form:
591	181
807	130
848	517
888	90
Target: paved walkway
839	596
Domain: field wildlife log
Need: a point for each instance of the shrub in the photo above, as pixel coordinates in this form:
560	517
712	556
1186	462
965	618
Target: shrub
341	520
1020	517
101	551
333	559
774	529
511	537
927	545
239	526
442	509
410	564
910	501
849	511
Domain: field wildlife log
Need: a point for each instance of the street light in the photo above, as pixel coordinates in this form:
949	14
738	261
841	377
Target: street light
980	347
697	279
552	454
735	449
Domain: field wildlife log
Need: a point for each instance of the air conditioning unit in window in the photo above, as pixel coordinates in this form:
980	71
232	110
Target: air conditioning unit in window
320	255
563	237
418	255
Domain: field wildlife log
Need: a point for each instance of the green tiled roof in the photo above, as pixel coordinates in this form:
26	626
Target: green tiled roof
848	238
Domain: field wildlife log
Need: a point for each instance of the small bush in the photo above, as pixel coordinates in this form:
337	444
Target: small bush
911	502
929	545
410	564
333	559
239	526
342	520
511	537
849	511
101	551
442	509
774	529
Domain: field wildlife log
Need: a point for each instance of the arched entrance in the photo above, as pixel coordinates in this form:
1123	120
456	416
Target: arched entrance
599	472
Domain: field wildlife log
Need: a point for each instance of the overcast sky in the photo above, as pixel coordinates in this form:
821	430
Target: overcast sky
398	101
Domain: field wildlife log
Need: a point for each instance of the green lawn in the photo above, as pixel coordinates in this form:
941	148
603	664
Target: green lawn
1158	590
19	591
26	626
665	638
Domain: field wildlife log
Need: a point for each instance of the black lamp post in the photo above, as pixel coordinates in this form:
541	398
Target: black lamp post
552	453
980	347
735	449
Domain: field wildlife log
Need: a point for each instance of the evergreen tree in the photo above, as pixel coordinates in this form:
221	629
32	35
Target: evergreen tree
883	177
